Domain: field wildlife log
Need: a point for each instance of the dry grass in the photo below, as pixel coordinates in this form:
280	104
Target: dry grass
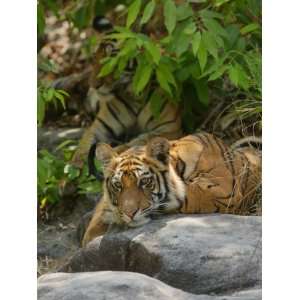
46	265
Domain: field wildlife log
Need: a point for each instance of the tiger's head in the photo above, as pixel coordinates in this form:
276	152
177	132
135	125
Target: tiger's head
141	181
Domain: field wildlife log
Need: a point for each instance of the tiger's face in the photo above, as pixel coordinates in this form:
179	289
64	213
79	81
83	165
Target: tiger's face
134	191
140	182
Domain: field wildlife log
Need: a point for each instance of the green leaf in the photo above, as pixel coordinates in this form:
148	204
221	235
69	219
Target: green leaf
183	73
128	48
141	77
196	42
233	75
241	44
148	12
202	55
64	144
249	28
108	67
219	3
166	71
42	171
49	94
123	61
154	51
166	40
180	40
71	171
81	17
40	109
210	43
218	73
232	35
205	13
170	15
195	70
183	12
214	26
218	63
163	81
238	76
63	92
47	156
40	19
181	43
119	36
53	6
156	103
190	28
122	29
61	98
142	38
89	187
133	12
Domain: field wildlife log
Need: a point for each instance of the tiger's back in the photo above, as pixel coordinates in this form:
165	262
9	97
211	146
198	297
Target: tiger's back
217	178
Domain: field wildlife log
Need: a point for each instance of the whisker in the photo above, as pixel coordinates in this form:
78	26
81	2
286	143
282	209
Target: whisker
157	212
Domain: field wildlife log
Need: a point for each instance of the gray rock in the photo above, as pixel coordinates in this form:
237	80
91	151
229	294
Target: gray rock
51	244
51	138
109	285
200	254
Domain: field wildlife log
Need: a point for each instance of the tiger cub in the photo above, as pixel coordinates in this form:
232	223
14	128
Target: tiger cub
195	174
124	120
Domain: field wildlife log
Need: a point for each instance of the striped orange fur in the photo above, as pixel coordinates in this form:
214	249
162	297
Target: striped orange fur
195	174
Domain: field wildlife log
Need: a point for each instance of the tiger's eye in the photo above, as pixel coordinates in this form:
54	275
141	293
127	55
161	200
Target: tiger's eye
117	185
145	181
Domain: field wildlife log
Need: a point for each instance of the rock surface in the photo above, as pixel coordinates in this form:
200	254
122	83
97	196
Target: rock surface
54	245
57	240
199	254
109	285
51	138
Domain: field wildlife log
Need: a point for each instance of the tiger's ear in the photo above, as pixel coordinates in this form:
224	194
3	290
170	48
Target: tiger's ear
158	148
105	153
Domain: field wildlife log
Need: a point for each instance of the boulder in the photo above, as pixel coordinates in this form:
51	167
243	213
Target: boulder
199	254
53	244
107	285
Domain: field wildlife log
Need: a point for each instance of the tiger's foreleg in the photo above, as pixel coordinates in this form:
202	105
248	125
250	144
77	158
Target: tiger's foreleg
198	197
84	146
88	138
99	223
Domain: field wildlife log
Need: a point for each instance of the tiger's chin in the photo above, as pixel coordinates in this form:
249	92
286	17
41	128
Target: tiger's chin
139	222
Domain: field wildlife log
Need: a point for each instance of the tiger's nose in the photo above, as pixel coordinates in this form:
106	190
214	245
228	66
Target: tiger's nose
132	214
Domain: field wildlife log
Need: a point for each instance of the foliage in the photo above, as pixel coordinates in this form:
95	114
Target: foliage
45	96
203	47
53	170
248	104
